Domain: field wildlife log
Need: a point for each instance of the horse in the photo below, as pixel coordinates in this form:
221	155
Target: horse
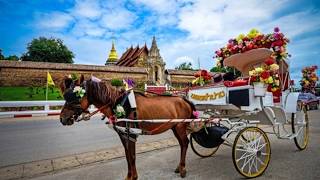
105	97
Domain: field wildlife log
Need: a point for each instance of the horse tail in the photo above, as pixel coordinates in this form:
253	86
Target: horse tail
193	108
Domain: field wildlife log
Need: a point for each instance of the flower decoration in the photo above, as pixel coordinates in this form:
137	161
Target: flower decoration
275	41
202	77
196	114
128	84
119	111
309	79
267	74
79	91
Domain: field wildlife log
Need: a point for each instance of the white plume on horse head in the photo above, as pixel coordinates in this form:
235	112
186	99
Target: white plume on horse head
95	79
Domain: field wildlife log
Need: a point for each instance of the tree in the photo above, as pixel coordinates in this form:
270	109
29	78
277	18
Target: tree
184	66
48	50
12	58
1	55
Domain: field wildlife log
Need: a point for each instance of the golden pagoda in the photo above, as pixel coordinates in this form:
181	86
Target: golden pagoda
113	56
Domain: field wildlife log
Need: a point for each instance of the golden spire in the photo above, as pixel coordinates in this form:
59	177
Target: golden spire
113	56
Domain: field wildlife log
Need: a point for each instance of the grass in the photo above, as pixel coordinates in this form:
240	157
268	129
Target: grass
29	93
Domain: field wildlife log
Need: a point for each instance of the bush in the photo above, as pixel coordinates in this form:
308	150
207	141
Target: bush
116	82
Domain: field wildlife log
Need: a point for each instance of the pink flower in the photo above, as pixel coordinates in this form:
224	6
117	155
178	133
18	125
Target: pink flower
196	114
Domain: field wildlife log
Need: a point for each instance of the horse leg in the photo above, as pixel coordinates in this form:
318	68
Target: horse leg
180	132
125	145
130	148
132	157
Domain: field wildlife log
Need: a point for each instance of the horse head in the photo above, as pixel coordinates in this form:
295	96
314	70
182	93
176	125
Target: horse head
76	100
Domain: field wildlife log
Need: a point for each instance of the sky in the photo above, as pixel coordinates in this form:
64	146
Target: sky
185	30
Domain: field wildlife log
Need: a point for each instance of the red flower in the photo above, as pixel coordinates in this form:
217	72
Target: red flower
265	75
269	61
253	79
277	43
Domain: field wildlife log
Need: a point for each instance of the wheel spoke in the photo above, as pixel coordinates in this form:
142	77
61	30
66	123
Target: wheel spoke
256	164
262	146
243	157
247	162
261	161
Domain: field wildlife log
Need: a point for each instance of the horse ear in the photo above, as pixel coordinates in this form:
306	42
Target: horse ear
81	79
67	82
77	82
62	88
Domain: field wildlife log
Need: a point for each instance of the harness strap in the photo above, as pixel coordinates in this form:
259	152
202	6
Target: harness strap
91	114
159	127
96	111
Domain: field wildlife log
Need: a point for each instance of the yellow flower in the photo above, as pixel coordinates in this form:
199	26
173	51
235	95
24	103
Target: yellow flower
252	73
258	69
240	37
277	82
274	67
270	80
253	33
195	81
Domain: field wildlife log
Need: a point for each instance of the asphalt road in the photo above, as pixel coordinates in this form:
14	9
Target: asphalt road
30	139
286	163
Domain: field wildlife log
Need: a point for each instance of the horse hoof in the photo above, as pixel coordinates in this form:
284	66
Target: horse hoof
177	170
131	178
183	173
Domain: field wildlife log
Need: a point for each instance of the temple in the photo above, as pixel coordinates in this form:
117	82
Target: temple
142	57
113	56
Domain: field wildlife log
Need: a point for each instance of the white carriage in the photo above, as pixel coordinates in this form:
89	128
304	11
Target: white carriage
243	114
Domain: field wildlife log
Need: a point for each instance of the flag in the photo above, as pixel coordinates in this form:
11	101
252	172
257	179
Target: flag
49	80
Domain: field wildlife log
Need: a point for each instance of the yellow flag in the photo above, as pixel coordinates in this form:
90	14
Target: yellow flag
49	79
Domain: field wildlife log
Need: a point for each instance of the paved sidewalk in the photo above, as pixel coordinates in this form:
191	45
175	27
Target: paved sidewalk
36	168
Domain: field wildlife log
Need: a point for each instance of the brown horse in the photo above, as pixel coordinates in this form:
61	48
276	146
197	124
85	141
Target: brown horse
105	98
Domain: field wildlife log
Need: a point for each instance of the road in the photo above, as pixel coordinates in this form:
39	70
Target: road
31	139
286	163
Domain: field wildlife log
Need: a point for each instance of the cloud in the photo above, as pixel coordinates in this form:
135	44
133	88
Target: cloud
54	20
297	23
160	6
84	27
186	30
184	59
163	12
208	19
117	19
87	9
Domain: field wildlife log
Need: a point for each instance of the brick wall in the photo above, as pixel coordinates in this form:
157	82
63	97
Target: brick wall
17	73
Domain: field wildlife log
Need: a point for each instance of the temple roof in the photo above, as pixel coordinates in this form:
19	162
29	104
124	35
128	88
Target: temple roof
130	57
113	56
154	50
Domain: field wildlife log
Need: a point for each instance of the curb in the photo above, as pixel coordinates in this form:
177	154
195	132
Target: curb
36	168
27	115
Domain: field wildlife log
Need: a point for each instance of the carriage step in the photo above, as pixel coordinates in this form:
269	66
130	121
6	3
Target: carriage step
290	136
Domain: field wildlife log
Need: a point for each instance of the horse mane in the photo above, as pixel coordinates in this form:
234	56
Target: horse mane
102	92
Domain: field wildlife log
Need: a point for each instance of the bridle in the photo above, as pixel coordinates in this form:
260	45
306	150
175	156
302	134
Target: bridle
73	102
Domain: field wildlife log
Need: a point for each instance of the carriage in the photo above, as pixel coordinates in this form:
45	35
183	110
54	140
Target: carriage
242	111
236	116
236	113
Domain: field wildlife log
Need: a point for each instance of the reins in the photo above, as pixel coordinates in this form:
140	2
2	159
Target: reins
93	113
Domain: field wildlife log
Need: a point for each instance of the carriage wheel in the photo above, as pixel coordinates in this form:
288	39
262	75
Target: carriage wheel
200	150
251	152
300	125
